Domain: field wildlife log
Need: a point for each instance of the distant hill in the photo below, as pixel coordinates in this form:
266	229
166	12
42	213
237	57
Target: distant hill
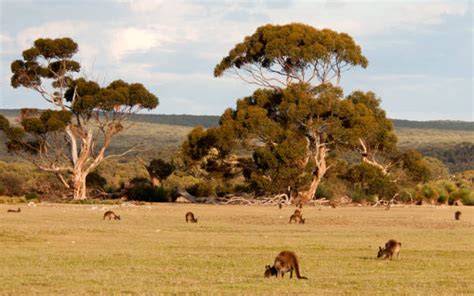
435	124
450	141
212	121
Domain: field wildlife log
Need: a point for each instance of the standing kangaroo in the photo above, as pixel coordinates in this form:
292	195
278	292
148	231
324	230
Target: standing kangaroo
392	247
110	215
190	217
457	215
14	211
297	218
286	261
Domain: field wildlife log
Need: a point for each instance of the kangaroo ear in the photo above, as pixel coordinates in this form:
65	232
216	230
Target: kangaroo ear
380	248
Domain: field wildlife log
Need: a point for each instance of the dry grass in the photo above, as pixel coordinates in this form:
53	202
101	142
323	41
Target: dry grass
69	249
413	137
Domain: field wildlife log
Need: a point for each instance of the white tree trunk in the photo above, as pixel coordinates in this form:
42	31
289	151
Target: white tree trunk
79	187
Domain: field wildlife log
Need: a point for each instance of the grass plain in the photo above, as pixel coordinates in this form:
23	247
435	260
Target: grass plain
69	249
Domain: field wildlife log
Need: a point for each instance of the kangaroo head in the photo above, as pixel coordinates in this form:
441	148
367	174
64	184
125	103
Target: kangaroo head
381	252
117	217
269	271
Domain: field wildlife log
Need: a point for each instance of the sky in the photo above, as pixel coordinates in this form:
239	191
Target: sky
420	52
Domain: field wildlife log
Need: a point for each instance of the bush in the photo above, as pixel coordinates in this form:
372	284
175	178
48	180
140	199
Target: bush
323	191
31	195
428	192
202	189
358	194
95	180
407	195
13	185
465	195
145	191
442	199
224	189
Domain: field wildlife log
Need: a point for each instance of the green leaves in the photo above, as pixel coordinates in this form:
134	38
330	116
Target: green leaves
60	48
47	59
295	51
89	96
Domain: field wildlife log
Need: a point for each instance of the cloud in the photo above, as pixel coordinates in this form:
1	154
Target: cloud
132	40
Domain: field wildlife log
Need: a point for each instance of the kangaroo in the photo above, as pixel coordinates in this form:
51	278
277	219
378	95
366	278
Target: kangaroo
392	247
297	218
190	217
110	215
14	211
286	261
297	212
457	215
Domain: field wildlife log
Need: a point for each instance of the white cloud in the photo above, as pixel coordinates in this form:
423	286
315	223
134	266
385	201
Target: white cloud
132	40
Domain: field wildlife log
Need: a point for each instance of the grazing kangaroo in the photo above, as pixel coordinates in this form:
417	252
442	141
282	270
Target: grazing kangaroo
190	217
110	215
286	261
457	215
392	247
297	218
14	211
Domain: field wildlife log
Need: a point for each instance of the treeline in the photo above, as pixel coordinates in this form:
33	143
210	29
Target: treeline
213	121
435	124
457	158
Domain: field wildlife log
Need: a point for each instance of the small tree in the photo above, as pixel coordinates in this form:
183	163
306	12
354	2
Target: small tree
72	140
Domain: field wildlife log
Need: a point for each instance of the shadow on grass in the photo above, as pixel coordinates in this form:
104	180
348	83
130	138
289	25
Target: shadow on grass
367	258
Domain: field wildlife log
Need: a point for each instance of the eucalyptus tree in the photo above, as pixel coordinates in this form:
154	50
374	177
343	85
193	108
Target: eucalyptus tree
70	139
300	115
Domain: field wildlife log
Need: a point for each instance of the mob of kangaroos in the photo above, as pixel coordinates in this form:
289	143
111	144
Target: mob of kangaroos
392	247
190	217
110	215
286	261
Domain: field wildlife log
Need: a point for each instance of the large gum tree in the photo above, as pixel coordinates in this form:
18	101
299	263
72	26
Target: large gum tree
70	139
300	115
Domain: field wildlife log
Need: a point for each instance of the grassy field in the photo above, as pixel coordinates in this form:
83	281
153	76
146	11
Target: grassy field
69	249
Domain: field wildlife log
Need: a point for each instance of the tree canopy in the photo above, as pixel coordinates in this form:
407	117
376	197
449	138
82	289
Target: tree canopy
277	55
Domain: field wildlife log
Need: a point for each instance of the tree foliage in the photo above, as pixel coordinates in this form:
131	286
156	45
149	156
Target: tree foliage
278	55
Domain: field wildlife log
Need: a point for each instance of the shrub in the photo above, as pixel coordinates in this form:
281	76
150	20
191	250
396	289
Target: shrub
465	195
407	195
95	180
145	191
202	189
428	192
31	195
13	185
443	198
224	189
323	191
358	194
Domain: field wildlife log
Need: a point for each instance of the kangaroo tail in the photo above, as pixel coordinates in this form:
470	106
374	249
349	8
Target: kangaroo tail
297	270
